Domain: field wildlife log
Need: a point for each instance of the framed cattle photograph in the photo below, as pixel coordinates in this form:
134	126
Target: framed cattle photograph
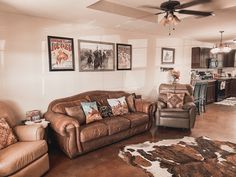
61	53
96	56
124	56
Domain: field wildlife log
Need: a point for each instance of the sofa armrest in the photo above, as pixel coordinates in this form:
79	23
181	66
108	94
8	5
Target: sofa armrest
189	105
161	104
61	123
29	132
144	105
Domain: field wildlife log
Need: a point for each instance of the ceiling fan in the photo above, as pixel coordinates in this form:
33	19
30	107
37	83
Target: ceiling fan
170	7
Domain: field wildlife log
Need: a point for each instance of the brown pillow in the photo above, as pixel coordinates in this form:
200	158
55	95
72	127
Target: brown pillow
76	112
175	100
6	134
130	102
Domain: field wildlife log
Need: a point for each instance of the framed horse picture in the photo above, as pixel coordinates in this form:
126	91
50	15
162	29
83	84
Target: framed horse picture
61	53
96	56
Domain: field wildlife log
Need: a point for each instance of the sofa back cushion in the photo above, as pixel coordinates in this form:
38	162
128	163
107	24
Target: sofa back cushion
6	134
60	106
77	112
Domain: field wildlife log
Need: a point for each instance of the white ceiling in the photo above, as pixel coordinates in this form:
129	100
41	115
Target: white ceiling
128	15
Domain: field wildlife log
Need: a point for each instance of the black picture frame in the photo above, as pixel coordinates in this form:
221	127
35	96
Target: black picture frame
61	53
96	56
123	56
167	55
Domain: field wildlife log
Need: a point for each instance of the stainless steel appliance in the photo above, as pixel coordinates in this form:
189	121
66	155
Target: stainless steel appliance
213	63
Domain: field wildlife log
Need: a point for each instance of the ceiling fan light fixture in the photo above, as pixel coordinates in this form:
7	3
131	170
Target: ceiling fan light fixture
164	21
176	20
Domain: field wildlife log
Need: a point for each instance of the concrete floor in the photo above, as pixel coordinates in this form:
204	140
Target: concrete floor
219	122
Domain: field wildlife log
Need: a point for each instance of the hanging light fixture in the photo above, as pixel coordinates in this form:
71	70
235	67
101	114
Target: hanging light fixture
222	48
170	19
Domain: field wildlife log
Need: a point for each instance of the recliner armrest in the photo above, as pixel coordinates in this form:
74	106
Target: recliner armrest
61	123
189	105
29	132
161	104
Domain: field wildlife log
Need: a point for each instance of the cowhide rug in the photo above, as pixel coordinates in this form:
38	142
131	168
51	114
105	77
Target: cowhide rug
186	157
231	101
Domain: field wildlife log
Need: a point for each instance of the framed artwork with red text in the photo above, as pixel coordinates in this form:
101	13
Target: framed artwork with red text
61	53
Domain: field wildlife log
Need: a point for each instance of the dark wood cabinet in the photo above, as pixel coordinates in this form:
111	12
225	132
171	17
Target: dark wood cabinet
228	60
200	57
233	88
211	92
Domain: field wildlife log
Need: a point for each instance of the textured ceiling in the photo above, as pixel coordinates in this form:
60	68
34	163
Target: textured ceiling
129	15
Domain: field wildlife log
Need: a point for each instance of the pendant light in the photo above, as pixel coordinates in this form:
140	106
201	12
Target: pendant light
221	48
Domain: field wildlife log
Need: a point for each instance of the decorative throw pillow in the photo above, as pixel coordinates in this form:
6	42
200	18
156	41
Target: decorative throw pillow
91	111
175	100
130	102
118	106
105	111
76	112
6	134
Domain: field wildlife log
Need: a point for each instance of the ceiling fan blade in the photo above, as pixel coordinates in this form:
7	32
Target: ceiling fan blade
151	7
159	13
192	3
194	12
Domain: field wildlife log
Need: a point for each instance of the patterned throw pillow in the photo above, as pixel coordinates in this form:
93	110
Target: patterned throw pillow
175	100
105	111
118	106
76	112
6	134
91	111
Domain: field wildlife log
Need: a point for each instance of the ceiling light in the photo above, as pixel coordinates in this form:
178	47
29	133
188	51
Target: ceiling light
169	19
222	48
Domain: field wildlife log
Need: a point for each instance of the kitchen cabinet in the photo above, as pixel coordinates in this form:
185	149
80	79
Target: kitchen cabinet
211	92
200	57
228	59
233	88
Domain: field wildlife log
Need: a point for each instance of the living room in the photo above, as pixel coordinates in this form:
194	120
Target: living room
29	82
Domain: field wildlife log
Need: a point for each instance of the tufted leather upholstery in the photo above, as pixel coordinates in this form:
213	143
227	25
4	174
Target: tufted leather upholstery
76	138
176	117
27	157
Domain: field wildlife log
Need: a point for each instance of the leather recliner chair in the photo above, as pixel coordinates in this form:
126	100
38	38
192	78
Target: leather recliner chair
176	117
29	155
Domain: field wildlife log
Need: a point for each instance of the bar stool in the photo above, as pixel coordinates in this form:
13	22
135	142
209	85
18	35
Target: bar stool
196	94
203	96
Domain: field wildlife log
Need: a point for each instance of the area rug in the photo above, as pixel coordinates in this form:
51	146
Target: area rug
231	101
186	157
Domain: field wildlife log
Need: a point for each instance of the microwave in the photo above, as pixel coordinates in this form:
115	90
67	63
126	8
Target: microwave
213	63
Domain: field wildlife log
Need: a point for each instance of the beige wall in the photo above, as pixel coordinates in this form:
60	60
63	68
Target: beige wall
25	80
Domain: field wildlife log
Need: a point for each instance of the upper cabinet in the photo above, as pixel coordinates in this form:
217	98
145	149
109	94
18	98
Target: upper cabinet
229	59
200	57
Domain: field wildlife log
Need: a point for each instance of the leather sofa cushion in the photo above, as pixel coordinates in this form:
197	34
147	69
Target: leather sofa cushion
77	112
137	118
19	155
116	124
60	107
92	131
173	112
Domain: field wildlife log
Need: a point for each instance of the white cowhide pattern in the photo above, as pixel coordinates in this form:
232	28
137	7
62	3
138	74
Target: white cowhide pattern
195	157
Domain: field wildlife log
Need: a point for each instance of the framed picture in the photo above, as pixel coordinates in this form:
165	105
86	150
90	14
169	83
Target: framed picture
61	53
167	56
96	56
124	56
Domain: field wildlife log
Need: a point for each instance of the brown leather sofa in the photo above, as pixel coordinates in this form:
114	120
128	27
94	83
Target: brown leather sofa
176	117
27	157
76	138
